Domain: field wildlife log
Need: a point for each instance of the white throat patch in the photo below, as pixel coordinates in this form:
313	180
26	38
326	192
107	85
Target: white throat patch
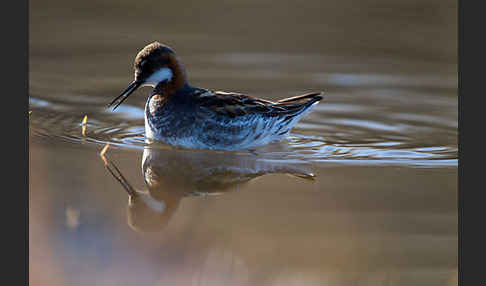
158	76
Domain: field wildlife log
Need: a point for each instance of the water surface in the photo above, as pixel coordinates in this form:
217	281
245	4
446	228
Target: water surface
363	192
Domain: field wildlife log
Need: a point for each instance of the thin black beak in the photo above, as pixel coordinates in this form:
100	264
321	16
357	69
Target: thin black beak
124	95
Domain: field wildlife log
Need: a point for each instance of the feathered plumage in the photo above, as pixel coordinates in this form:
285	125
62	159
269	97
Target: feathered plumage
181	115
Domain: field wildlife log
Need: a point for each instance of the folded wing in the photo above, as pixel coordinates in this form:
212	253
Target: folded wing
236	104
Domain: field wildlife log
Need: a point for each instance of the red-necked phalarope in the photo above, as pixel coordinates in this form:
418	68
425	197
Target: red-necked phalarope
181	115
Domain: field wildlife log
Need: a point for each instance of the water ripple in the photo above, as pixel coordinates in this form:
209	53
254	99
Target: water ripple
393	138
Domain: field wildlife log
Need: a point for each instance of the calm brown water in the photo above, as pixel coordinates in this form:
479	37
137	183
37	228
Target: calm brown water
362	193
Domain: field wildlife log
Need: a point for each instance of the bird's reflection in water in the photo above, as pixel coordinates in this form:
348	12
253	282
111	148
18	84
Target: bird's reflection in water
171	175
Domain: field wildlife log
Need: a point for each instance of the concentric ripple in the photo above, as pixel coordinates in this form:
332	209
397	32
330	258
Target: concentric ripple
334	132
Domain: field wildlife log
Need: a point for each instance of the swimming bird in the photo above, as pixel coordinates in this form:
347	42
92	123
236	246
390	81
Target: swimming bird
181	115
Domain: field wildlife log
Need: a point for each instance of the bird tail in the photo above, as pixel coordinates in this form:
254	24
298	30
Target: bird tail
298	104
291	110
308	98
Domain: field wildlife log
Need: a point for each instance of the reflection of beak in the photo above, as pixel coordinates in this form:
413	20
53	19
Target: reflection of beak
124	95
116	173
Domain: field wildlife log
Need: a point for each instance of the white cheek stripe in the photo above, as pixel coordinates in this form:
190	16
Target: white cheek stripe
158	206
158	76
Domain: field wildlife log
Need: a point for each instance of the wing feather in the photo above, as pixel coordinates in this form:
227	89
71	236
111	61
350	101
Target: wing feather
236	104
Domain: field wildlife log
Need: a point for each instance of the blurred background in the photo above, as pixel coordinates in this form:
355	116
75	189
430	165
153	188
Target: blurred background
381	210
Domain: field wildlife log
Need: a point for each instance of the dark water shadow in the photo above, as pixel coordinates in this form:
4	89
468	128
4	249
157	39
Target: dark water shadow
172	175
